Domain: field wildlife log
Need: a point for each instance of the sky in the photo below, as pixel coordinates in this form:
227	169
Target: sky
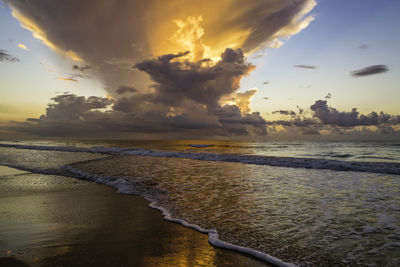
260	69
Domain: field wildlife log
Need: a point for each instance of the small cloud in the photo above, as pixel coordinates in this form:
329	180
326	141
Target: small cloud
5	57
276	43
257	56
67	79
305	66
328	96
81	68
370	70
266	97
32	119
363	46
266	82
23	47
285	112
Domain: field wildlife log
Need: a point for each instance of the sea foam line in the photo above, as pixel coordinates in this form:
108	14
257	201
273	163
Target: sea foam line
213	237
291	162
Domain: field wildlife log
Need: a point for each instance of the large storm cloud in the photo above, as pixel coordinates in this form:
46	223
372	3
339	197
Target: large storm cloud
188	58
111	35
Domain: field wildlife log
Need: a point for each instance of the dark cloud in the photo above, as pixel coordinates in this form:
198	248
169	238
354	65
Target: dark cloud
328	96
32	120
267	18
81	68
370	70
285	112
329	115
305	66
334	122
74	107
363	46
300	110
83	72
177	81
5	57
233	122
125	89
185	99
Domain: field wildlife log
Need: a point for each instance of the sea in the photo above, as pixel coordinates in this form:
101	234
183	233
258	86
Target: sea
292	203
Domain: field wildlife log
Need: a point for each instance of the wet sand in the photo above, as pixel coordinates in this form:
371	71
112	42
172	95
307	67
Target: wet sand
48	220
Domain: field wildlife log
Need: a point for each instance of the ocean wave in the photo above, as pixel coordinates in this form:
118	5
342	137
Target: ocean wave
331	155
374	157
291	162
200	145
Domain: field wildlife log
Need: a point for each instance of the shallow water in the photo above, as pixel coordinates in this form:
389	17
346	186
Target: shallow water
303	216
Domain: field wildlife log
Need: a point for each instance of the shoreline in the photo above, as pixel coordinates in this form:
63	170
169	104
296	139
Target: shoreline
55	220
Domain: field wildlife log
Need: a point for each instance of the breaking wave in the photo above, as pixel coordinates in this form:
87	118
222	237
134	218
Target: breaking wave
291	162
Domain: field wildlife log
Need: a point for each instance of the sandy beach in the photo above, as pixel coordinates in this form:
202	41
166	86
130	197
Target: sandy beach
49	220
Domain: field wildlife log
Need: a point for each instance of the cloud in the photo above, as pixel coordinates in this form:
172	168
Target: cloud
125	89
329	115
305	66
329	121
189	93
370	70
67	79
81	68
285	112
23	47
266	82
33	26
177	81
80	72
131	30
71	106
328	96
270	21
266	97
363	46
242	100
187	99
5	57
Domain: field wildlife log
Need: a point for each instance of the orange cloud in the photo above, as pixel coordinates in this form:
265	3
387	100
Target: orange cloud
67	79
23	47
